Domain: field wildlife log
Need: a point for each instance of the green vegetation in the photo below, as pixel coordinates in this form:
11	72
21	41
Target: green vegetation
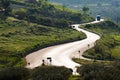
100	71
17	39
82	1
30	26
85	62
74	77
106	8
116	52
4	9
107	47
85	9
39	73
47	14
51	73
14	73
27	27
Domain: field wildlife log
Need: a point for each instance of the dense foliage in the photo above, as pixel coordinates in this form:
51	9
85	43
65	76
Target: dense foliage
104	47
100	71
51	73
11	73
39	73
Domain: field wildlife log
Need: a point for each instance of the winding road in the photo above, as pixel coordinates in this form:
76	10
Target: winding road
61	55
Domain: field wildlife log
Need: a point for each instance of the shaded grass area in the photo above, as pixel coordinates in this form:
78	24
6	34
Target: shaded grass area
116	52
74	77
84	62
19	38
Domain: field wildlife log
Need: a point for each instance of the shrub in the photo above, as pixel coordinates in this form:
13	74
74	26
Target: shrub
100	72
13	73
51	73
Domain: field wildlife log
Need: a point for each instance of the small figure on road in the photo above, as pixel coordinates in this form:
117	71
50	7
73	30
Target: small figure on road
88	45
43	62
50	61
28	63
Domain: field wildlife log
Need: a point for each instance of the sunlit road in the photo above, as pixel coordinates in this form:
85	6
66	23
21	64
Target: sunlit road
61	55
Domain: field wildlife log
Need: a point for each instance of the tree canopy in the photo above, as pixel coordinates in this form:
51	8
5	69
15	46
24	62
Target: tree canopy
85	9
100	72
51	73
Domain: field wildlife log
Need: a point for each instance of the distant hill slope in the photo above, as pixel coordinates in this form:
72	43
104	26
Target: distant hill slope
83	1
48	14
107	8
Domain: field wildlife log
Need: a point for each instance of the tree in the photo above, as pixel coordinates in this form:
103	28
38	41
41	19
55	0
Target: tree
100	72
85	9
42	2
14	73
4	8
21	13
51	73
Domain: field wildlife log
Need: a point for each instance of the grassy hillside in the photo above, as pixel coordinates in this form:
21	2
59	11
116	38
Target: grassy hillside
48	14
109	44
20	38
28	27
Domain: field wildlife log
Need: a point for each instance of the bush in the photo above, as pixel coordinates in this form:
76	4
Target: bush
11	73
100	72
51	73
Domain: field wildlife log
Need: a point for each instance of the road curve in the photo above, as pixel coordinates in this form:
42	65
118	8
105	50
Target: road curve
62	55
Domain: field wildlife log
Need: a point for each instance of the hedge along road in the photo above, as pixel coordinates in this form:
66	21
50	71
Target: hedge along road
61	55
